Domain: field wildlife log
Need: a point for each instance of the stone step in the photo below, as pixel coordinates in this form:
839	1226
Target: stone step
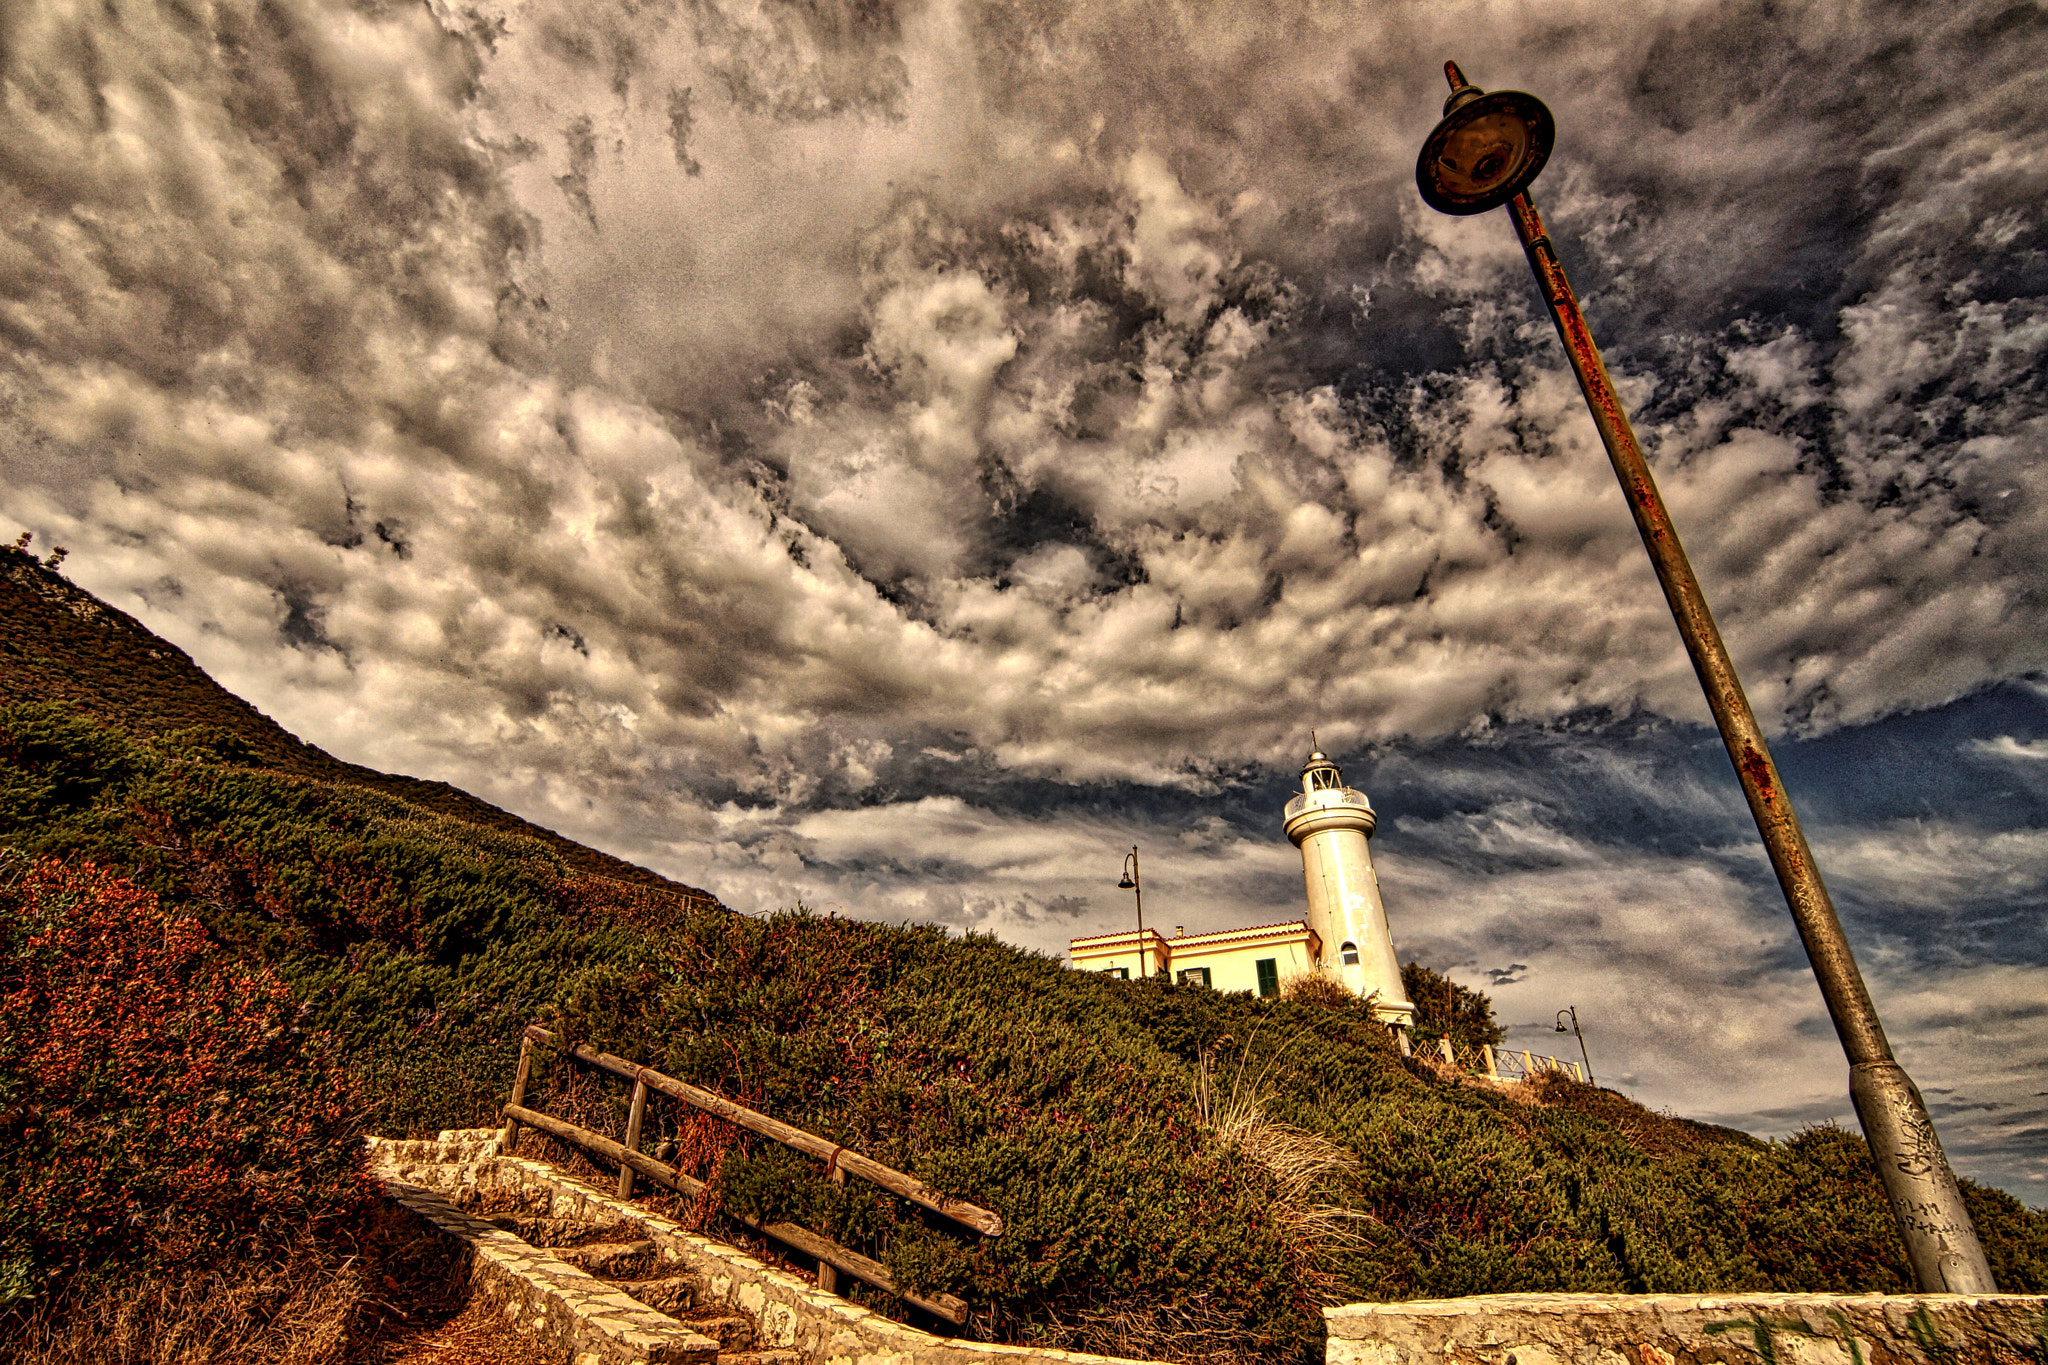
611	1260
673	1295
774	1356
732	1331
558	1232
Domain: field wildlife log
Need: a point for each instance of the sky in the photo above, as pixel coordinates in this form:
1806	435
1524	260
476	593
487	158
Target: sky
895	458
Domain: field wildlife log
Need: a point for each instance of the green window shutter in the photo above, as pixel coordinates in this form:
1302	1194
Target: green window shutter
1269	977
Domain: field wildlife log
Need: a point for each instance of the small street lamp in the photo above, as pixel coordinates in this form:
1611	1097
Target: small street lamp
1131	882
1573	1011
1484	154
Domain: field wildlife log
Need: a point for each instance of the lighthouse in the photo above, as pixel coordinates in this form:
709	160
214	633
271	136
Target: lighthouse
1330	823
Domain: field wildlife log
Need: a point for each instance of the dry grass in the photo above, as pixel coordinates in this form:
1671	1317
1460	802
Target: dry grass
1189	1331
1314	988
376	1293
300	1310
475	1336
1296	1160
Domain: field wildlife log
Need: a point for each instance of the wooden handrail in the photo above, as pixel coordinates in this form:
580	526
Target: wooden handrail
984	1221
660	1172
861	1268
819	1248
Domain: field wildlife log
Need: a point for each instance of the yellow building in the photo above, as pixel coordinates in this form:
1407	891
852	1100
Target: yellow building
1259	960
1121	955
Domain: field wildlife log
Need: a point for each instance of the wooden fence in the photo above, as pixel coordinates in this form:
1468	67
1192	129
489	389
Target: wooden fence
625	1154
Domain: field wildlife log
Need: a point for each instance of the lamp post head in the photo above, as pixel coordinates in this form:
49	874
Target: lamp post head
1487	149
1126	884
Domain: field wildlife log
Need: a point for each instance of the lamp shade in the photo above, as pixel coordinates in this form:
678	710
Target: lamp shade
1486	151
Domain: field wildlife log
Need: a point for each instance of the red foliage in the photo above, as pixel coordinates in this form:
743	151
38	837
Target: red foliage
157	1101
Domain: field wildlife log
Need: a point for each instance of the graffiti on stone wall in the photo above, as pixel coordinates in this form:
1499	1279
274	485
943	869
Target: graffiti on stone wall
1763	1332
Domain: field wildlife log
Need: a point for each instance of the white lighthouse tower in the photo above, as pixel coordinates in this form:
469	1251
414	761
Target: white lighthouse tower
1330	823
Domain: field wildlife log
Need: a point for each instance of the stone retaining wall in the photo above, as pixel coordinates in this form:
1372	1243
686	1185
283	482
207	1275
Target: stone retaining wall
1694	1329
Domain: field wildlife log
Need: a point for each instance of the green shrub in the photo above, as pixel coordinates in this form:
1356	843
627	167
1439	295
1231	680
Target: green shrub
421	942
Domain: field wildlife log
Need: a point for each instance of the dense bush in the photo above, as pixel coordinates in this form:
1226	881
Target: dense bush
421	942
160	1103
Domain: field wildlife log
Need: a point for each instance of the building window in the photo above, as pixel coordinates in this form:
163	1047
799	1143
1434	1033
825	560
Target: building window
1322	780
1350	951
1120	973
1193	976
1269	977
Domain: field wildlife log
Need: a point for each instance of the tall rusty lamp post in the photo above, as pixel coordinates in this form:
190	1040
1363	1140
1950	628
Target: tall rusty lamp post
1484	154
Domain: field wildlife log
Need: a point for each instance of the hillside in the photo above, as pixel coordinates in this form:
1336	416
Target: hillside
62	644
410	936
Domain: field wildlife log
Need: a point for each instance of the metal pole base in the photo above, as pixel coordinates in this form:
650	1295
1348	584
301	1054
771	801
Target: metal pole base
1941	1242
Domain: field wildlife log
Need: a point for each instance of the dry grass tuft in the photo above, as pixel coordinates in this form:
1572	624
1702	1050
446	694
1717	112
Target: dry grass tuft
299	1310
1296	1160
1188	1331
1314	988
375	1292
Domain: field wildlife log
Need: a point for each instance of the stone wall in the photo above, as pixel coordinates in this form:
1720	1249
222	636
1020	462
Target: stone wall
1694	1329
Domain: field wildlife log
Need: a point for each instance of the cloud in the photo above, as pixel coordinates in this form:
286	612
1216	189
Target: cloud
1030	429
2005	746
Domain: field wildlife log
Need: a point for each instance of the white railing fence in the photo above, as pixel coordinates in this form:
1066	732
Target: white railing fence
1506	1064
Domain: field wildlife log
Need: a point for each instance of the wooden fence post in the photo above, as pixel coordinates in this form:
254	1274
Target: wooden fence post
1528	1065
1444	1046
509	1139
633	1118
828	1278
1486	1056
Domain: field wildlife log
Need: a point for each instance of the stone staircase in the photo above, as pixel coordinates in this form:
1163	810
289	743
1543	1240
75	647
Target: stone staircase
615	1254
588	1283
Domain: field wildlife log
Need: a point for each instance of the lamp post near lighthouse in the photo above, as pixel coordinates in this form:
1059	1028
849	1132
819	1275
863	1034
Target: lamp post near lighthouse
1133	883
1330	823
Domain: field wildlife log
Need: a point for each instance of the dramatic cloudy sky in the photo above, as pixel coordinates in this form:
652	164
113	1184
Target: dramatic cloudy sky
897	456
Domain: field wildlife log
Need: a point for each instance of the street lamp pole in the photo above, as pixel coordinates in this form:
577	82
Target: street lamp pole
1133	883
1573	1011
1483	155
